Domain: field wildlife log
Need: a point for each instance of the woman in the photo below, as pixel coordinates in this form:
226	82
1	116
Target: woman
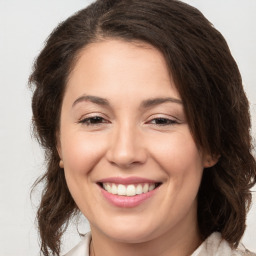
141	111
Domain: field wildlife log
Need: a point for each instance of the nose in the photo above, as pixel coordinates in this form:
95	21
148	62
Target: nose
126	148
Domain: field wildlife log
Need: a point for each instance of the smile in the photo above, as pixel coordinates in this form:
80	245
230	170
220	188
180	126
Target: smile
129	190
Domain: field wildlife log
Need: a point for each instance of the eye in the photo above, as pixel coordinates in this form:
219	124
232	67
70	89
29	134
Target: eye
161	121
93	120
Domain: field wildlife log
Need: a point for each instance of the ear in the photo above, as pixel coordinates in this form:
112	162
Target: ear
210	160
58	146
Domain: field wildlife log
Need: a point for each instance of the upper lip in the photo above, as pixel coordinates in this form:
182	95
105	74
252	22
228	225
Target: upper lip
127	180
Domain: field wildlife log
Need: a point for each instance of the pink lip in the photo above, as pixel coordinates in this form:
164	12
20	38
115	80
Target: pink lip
128	180
127	201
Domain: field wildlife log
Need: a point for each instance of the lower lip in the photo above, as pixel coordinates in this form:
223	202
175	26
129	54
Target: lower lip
128	201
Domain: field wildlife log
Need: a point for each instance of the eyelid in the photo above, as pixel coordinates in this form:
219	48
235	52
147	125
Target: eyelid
162	122
92	115
163	116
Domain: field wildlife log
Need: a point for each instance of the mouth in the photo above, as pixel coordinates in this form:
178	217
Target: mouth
129	190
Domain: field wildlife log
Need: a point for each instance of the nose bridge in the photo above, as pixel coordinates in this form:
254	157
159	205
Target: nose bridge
126	147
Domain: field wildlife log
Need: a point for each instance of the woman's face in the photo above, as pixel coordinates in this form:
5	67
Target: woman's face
130	161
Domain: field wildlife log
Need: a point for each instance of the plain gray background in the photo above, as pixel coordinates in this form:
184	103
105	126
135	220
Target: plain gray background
24	26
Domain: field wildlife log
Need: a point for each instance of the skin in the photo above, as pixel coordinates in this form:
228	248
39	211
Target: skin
129	139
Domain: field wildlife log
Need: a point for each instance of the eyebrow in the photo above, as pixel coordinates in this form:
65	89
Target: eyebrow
93	99
145	104
157	101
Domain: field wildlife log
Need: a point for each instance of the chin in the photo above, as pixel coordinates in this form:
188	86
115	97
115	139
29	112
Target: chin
130	236
130	231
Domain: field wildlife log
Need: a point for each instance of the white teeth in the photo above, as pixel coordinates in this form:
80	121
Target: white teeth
139	189
151	187
114	189
121	190
108	188
145	188
128	190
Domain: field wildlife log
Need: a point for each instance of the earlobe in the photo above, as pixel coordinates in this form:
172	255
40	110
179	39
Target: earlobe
61	164
211	160
58	147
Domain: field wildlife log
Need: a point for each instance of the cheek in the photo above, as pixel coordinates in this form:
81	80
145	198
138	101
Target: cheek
81	153
178	154
182	163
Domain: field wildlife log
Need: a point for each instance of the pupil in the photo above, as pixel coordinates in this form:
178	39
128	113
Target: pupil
160	121
96	119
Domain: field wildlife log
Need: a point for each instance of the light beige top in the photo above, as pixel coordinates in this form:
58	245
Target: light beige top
214	245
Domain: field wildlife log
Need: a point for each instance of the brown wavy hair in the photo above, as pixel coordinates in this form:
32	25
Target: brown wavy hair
208	81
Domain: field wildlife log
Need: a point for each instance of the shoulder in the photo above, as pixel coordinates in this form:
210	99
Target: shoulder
81	249
241	250
215	245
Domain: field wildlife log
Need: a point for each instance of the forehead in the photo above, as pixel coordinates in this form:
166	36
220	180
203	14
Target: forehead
114	66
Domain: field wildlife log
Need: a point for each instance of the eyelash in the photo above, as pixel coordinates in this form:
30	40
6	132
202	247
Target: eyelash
98	120
163	121
93	121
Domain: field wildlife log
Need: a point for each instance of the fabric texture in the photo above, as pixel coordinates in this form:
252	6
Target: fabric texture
214	245
82	249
